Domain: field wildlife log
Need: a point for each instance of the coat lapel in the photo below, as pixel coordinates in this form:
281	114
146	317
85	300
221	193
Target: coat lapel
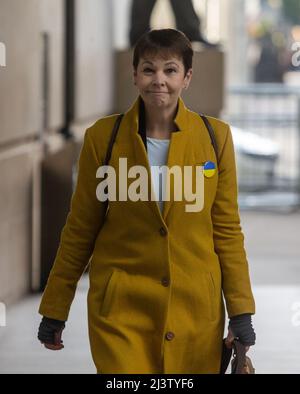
135	117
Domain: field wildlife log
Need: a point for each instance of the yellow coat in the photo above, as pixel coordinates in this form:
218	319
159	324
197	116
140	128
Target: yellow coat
155	300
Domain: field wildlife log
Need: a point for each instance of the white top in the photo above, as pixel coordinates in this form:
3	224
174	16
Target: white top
158	156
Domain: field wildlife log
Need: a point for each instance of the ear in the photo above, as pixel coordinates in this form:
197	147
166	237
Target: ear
187	78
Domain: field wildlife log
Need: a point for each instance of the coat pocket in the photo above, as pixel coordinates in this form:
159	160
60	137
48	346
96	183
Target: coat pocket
212	294
110	293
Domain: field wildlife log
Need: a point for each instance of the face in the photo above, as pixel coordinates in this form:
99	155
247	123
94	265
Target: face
160	81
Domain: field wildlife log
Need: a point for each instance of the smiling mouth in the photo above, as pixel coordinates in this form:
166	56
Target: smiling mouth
158	92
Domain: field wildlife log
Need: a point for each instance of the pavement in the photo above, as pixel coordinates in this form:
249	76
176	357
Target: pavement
273	250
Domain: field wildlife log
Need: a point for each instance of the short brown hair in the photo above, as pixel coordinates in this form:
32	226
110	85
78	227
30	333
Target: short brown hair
165	42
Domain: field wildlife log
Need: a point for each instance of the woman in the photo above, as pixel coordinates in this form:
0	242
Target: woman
157	271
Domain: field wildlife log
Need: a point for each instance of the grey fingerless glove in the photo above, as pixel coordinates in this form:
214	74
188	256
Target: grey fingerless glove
48	327
241	326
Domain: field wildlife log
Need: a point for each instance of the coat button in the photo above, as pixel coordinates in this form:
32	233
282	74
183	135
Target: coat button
170	335
163	231
165	281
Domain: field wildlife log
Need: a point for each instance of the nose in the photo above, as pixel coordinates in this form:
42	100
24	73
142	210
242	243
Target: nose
158	79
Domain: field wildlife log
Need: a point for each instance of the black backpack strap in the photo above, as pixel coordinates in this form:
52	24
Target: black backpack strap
211	134
112	139
116	129
117	125
110	148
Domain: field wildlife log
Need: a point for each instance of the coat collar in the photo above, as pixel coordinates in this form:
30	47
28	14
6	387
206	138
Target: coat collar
136	114
134	118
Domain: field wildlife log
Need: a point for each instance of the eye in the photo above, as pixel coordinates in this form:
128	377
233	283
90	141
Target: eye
170	70
147	69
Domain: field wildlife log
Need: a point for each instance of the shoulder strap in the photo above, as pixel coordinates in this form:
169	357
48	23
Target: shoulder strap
109	150
112	139
211	134
116	129
117	125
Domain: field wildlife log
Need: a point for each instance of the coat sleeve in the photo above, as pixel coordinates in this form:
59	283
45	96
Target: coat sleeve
77	238
228	235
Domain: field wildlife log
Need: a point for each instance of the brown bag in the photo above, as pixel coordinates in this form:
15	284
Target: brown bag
240	363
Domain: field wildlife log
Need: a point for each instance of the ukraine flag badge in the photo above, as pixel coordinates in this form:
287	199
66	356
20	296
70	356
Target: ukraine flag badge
209	169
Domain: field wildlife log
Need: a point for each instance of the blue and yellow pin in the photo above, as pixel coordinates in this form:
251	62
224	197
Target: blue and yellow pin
209	169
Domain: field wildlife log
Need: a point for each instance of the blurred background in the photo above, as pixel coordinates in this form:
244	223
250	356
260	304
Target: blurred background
66	63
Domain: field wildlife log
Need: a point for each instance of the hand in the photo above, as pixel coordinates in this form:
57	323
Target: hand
50	332
230	338
58	343
240	327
